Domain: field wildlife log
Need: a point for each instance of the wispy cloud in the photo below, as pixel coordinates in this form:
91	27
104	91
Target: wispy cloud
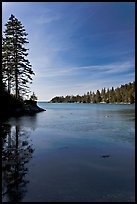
45	19
52	88
112	68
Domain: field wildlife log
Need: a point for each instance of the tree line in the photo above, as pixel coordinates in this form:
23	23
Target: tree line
123	94
16	69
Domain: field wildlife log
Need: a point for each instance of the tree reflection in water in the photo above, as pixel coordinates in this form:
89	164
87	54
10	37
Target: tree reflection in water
16	153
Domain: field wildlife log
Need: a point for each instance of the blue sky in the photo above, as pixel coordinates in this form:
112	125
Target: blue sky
75	47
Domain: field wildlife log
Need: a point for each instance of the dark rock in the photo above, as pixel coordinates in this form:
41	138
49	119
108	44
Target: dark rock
105	156
18	108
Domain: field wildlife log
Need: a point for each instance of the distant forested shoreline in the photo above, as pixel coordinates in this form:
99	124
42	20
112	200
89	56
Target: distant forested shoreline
123	94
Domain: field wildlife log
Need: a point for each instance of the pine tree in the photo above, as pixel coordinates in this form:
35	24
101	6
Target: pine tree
33	97
98	96
6	64
17	69
103	93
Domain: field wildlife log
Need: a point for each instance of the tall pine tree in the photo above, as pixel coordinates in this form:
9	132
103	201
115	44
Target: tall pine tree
17	69
6	64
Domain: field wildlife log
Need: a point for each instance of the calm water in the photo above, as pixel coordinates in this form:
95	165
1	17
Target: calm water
70	152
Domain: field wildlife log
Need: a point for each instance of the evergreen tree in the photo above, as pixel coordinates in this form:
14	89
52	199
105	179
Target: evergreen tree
16	67
112	96
88	97
98	96
118	95
94	98
33	97
107	95
6	64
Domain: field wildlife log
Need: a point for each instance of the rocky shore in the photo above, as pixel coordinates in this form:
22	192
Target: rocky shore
28	107
31	107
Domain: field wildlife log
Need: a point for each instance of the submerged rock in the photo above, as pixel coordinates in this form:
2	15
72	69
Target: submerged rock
105	156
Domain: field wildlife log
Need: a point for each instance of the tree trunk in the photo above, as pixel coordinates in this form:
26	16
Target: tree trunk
9	85
16	83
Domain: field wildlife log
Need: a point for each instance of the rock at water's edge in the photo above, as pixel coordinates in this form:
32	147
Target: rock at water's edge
32	107
18	108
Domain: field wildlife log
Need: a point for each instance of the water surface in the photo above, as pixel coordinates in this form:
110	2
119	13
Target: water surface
70	152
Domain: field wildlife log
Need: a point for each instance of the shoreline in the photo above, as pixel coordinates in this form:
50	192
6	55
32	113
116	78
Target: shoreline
86	103
28	108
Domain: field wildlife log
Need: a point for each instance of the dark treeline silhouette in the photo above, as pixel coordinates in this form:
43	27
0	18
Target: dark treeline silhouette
123	94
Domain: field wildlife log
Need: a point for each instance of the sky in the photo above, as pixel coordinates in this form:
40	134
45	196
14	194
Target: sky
76	47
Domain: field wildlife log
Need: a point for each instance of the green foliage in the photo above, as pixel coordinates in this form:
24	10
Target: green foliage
123	94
